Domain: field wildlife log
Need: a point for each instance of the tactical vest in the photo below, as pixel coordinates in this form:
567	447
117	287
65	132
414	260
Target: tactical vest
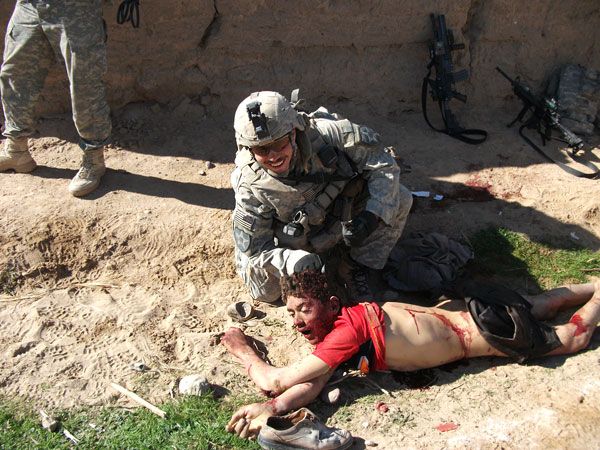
305	200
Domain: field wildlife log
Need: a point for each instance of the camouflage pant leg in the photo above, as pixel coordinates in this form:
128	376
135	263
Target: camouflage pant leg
376	249
27	58
81	42
263	286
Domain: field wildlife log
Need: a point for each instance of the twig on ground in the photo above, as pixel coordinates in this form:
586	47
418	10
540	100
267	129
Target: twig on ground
456	387
70	437
385	391
593	269
136	398
350	373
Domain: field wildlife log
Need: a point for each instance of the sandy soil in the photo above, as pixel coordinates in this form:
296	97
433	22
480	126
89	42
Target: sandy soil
142	270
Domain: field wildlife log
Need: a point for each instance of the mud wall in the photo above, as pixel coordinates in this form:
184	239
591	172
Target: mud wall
363	52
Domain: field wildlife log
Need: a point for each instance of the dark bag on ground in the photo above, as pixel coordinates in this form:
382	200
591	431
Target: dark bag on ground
425	262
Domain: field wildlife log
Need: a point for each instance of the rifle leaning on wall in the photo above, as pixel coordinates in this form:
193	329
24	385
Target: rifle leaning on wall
442	87
544	119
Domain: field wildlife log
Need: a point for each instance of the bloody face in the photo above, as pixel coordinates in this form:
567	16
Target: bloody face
312	318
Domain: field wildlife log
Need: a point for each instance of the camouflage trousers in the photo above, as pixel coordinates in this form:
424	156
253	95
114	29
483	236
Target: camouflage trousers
373	253
39	32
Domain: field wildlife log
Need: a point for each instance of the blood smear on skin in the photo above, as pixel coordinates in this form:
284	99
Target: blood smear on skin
578	322
446	426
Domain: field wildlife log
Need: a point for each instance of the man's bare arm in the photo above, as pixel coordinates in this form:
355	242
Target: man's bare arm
267	377
247	421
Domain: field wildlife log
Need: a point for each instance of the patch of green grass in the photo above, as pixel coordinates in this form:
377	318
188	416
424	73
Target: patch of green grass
191	423
344	414
508	254
403	418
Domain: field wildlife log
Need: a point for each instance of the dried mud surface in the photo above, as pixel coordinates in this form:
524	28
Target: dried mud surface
142	270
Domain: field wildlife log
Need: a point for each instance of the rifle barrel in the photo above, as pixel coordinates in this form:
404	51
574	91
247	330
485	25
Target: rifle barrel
503	73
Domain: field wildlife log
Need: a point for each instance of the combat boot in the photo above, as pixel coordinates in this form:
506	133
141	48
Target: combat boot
15	156
88	177
355	277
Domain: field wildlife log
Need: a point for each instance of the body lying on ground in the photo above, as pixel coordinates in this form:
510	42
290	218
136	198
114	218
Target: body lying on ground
405	337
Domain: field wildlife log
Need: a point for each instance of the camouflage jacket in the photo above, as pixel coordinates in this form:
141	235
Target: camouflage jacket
265	203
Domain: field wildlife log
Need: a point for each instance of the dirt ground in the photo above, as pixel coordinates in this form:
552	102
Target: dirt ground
142	270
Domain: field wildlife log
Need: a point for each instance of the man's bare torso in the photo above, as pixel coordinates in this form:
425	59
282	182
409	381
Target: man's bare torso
420	337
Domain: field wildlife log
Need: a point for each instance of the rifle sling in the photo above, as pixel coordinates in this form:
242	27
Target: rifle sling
478	136
593	176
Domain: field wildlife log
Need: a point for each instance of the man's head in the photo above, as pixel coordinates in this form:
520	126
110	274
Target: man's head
266	123
311	302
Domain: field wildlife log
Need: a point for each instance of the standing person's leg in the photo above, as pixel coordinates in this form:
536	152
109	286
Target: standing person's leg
575	335
83	48
27	58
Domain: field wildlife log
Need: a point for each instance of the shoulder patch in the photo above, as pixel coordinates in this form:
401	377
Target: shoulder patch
242	239
244	221
369	136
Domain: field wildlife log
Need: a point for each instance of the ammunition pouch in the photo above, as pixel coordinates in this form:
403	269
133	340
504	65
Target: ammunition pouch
331	232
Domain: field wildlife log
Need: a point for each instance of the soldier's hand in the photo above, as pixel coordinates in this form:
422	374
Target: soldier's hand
308	261
355	231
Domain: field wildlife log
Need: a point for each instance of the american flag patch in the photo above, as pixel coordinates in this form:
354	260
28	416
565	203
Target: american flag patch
310	194
244	221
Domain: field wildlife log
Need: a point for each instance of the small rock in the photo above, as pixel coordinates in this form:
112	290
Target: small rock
209	165
330	395
371	443
202	173
139	366
381	407
49	423
581	399
194	384
365	424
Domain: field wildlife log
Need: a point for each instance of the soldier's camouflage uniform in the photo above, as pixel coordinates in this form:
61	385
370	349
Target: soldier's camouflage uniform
38	33
265	203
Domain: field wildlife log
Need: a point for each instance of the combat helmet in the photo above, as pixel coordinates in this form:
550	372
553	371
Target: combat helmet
263	117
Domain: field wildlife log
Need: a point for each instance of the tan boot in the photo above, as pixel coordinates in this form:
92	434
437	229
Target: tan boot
88	177
15	156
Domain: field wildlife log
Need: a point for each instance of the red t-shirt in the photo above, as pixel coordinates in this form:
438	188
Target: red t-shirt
350	330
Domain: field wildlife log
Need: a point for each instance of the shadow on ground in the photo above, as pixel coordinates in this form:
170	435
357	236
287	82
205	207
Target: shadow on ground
121	180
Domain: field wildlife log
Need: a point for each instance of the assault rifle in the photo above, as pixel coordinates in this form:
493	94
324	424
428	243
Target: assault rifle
442	87
545	118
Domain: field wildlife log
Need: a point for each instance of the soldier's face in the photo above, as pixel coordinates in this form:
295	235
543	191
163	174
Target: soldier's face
277	156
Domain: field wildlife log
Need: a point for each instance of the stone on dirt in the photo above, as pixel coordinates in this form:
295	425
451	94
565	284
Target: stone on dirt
194	384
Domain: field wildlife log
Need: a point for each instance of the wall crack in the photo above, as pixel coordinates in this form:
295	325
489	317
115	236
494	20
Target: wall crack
212	28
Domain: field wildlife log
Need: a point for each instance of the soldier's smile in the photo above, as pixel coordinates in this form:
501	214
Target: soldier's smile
279	163
276	158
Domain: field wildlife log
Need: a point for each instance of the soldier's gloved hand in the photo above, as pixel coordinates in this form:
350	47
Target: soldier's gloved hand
355	231
308	261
